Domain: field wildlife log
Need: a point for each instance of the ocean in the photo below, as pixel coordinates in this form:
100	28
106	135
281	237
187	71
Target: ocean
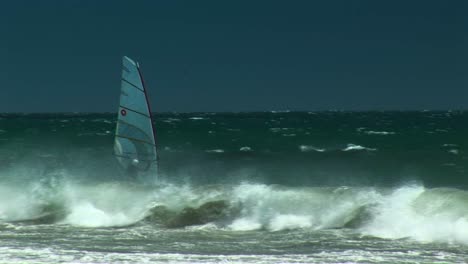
262	187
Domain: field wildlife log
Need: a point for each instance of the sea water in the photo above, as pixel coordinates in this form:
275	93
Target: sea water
269	187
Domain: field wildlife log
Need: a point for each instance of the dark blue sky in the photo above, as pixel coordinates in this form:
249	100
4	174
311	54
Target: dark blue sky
235	55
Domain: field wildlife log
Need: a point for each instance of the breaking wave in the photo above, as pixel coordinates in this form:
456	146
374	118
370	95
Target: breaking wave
354	147
439	214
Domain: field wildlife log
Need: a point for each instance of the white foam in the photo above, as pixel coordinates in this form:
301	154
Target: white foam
394	217
398	216
215	151
290	221
170	120
113	204
57	254
453	151
382	133
442	130
104	205
245	149
409	211
279	129
16	205
374	132
25	202
450	164
277	209
245	224
353	147
307	148
449	145
87	215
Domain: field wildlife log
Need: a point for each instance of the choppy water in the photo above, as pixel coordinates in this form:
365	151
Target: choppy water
325	187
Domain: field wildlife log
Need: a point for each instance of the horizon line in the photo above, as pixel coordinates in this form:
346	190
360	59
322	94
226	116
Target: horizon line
257	111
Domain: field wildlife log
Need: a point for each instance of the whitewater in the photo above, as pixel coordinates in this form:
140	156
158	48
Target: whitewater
325	187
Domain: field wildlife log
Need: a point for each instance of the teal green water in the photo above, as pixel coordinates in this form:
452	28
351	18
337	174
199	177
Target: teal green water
324	148
286	187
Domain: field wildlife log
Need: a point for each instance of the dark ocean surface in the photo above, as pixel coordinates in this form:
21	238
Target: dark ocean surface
267	187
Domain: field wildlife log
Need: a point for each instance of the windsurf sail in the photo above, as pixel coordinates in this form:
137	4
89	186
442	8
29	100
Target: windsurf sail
135	144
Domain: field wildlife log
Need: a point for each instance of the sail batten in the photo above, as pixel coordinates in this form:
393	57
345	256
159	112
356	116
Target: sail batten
135	144
134	85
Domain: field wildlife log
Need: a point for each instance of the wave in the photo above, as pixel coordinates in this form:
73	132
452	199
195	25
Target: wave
383	133
280	129
171	120
102	120
425	215
245	149
453	151
215	151
449	145
353	147
308	148
439	214
373	132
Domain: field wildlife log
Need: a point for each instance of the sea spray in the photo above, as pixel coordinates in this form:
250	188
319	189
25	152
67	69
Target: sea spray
408	213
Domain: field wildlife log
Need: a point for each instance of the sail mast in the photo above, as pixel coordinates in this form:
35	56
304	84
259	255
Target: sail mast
149	106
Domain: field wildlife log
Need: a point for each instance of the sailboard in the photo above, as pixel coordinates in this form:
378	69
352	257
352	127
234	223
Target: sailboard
135	142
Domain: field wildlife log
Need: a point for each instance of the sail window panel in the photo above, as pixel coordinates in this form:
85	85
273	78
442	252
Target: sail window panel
135	125
124	148
131	153
131	149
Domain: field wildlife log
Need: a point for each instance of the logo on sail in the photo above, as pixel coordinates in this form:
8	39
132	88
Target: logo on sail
123	112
